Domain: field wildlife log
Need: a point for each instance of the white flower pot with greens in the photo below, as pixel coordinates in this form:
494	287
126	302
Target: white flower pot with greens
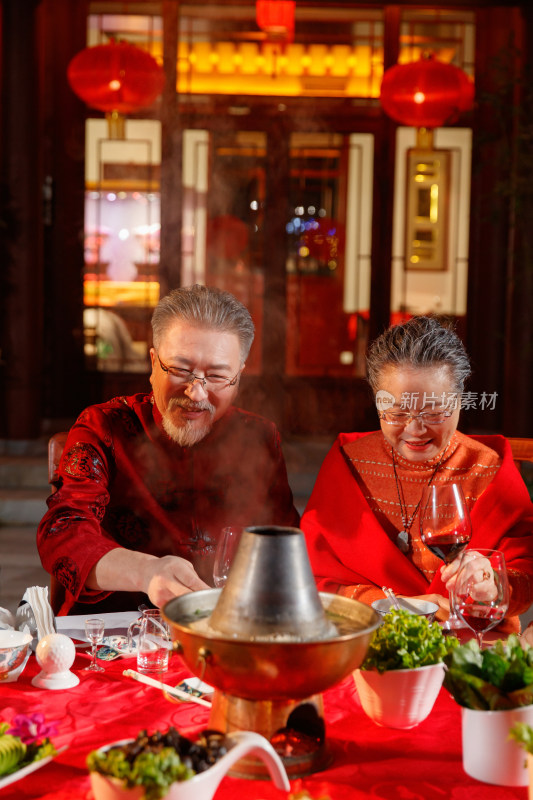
494	686
403	671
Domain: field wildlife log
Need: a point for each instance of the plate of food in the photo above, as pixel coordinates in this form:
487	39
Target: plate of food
25	747
13	777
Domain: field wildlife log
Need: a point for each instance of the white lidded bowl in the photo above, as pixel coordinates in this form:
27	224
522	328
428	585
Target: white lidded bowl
13	653
203	785
399	698
421	608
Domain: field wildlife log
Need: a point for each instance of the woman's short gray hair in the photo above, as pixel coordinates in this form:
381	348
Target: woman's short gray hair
419	342
204	307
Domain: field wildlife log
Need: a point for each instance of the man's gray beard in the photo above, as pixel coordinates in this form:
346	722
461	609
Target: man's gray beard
189	433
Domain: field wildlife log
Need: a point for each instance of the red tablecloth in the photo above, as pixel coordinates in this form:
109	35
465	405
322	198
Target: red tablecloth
369	762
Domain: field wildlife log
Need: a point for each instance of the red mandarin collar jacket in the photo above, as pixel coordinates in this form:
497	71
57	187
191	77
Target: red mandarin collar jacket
124	483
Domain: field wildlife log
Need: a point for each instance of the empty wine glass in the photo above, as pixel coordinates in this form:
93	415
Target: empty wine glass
481	594
226	549
94	631
445	528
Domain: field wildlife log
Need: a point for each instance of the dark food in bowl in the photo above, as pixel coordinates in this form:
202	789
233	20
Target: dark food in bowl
157	760
197	756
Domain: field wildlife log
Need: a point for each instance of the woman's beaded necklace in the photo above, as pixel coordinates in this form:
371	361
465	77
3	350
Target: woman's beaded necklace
403	539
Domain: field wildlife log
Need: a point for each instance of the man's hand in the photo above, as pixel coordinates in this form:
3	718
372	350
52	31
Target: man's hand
168	577
122	570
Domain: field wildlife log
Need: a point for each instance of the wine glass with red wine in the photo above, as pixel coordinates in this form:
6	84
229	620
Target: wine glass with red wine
481	594
445	528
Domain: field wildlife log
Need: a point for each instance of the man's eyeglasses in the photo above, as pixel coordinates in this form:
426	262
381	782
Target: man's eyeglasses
211	383
404	417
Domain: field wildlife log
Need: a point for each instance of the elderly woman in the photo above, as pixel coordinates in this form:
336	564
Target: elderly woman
362	520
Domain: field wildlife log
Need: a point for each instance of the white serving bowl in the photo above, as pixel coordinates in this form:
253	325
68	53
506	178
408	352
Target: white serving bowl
421	608
13	652
203	785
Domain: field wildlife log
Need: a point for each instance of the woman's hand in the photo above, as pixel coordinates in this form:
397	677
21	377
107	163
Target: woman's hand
480	574
437	599
526	638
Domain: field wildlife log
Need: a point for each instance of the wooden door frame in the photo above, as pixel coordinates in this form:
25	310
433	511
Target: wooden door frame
329	404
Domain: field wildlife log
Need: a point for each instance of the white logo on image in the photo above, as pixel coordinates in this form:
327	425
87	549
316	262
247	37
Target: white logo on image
384	400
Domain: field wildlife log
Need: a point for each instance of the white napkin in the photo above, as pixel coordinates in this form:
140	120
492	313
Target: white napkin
7	620
37	598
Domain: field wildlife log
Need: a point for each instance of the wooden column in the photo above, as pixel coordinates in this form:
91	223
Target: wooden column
21	271
517	414
68	388
171	157
499	307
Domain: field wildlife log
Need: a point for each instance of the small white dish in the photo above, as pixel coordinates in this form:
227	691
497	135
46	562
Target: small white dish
419	607
203	785
7	780
120	644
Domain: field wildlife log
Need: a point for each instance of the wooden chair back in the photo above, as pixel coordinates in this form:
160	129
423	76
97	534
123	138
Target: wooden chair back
56	445
522	450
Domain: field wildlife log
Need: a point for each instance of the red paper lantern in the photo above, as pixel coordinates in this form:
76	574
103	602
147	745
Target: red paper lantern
276	17
116	77
426	93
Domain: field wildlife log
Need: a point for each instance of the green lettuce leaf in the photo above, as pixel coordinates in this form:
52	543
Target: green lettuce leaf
495	678
406	641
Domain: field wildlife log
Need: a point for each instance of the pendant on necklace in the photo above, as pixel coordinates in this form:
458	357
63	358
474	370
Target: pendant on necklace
402	541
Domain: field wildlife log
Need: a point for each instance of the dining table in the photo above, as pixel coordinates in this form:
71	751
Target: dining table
366	760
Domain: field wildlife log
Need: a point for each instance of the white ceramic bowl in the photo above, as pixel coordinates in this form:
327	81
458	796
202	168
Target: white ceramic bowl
399	698
489	753
13	651
204	785
421	608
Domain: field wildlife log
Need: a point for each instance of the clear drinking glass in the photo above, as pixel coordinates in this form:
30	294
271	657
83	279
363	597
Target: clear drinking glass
94	631
225	552
445	529
481	594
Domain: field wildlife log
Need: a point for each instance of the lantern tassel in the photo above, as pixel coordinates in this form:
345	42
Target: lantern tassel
424	138
116	125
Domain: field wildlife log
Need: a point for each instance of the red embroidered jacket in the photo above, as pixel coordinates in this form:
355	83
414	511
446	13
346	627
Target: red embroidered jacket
124	483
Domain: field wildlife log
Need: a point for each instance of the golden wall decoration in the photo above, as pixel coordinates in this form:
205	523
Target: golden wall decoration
427	216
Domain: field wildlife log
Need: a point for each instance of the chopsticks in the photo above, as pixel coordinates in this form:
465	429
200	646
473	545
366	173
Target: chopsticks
389	594
399	602
189	698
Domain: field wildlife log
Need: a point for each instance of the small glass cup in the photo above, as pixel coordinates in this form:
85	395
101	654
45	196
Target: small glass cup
225	552
94	630
153	642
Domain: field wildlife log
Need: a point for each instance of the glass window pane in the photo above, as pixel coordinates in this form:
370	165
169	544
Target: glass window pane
328	266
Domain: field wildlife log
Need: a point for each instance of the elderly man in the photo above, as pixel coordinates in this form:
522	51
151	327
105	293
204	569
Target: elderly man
148	482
